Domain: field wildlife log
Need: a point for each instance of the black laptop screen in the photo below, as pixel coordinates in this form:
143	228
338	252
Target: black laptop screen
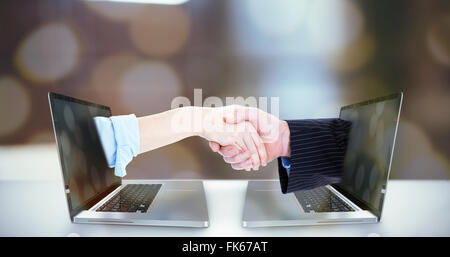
368	157
85	171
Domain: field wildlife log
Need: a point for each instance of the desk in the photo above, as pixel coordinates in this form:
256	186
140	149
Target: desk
32	203
38	208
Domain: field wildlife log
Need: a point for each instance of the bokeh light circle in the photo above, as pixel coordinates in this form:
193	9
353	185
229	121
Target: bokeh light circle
160	30
109	72
361	85
149	87
114	11
438	40
430	101
49	53
277	18
305	89
355	55
332	25
15	105
415	156
42	137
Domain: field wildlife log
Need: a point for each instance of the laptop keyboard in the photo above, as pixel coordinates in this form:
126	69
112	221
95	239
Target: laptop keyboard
321	200
131	198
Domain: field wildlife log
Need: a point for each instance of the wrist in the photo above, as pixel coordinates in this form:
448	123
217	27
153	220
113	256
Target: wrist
200	116
285	140
184	121
190	114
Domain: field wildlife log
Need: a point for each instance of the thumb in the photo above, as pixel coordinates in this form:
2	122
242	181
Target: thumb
215	147
242	114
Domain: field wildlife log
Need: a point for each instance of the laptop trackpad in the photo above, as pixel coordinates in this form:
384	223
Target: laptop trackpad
271	205
180	205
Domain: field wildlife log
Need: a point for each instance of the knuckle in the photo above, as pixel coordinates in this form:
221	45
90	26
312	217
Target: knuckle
228	160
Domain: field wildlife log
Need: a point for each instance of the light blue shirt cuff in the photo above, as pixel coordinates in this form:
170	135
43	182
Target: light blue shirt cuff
286	162
119	136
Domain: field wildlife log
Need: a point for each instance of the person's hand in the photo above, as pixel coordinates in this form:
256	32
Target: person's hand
242	136
274	133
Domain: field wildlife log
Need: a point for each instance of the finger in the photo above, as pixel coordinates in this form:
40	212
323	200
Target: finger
229	151
261	148
239	142
252	148
241	157
215	147
241	114
243	165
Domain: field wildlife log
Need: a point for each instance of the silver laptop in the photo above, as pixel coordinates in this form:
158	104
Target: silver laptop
359	196
95	195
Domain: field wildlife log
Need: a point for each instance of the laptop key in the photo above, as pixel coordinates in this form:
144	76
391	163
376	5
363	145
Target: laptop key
321	200
132	198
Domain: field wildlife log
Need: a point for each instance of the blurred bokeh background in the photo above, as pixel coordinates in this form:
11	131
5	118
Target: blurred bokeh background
316	55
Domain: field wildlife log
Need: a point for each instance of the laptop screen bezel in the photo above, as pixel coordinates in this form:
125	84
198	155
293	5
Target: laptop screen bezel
350	196
95	199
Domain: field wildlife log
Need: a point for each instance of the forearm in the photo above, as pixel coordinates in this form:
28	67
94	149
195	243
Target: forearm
171	126
124	137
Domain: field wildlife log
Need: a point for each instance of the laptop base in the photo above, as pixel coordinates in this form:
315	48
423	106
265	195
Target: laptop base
177	204
266	206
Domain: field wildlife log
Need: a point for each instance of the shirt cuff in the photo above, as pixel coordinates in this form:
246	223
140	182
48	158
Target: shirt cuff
286	162
105	132
119	136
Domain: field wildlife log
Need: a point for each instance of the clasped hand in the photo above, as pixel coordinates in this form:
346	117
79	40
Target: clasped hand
250	137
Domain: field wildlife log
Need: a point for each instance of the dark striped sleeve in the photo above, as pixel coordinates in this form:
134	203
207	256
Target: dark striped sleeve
318	149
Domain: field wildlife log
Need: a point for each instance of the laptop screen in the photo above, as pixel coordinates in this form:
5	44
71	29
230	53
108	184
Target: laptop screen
86	174
370	146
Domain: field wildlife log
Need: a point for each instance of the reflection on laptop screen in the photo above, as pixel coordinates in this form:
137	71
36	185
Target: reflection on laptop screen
368	156
85	170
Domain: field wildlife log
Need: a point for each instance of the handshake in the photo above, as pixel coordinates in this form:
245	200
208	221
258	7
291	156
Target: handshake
246	137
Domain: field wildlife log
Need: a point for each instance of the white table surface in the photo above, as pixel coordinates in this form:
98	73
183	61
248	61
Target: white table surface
32	203
38	208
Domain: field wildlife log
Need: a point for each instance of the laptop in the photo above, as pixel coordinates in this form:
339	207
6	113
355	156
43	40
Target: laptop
95	195
358	197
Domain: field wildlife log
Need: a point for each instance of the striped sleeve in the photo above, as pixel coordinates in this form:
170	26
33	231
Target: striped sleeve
318	149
